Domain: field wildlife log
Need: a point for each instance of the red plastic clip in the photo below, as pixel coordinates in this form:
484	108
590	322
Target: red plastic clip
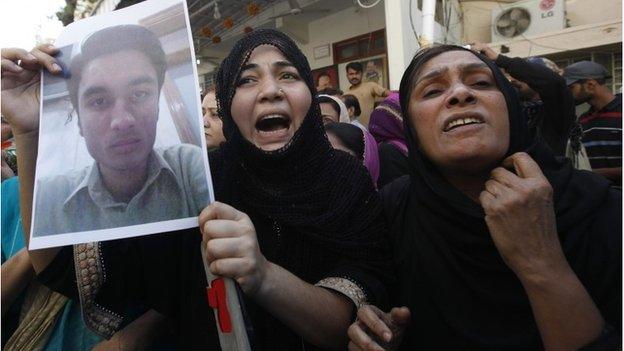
217	299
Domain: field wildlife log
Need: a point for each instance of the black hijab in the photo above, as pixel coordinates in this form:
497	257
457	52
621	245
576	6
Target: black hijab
350	135
306	184
461	293
315	210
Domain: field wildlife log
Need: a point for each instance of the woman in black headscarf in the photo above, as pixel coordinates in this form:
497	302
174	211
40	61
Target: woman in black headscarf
303	232
316	217
498	244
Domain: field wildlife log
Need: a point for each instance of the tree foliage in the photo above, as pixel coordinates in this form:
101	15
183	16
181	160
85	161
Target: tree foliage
66	14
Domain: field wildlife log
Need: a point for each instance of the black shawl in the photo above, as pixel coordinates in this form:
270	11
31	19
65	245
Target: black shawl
459	290
327	195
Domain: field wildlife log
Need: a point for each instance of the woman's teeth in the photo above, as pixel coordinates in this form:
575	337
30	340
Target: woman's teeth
461	122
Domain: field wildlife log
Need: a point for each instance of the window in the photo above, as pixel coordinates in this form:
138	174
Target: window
362	46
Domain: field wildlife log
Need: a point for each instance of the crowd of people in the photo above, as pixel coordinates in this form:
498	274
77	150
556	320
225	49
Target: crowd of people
469	210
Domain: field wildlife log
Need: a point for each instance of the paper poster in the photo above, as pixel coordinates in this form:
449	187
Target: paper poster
121	147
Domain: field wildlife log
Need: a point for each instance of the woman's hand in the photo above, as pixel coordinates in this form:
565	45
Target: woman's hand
20	85
485	50
232	250
375	330
520	215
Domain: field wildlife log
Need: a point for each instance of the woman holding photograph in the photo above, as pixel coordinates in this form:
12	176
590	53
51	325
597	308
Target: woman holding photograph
498	244
302	232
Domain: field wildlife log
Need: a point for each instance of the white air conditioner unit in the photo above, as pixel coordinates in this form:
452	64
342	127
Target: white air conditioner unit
527	18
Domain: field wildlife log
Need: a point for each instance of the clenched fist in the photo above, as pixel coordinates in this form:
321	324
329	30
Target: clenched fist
231	246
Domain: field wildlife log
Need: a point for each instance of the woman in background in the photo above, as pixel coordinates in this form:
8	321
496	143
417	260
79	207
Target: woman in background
332	109
386	126
357	142
353	109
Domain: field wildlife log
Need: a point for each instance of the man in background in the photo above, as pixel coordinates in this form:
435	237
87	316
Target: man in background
602	123
366	92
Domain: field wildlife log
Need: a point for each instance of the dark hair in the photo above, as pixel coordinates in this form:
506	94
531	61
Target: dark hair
112	40
330	91
355	65
351	137
325	99
211	89
352	101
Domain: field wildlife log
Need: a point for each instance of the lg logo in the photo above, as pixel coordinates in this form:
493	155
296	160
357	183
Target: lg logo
548	14
546	7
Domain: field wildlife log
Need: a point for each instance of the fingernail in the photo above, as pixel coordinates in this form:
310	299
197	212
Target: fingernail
56	67
387	336
31	57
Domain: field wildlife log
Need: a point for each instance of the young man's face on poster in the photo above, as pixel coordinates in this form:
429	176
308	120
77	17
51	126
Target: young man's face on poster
118	109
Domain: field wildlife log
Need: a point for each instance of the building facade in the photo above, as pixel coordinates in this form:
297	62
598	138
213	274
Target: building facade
590	30
385	34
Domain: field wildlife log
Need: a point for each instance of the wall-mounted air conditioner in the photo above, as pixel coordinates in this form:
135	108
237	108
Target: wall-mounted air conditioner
527	18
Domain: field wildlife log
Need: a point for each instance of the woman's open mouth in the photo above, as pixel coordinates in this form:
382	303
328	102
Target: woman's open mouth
273	131
455	123
273	124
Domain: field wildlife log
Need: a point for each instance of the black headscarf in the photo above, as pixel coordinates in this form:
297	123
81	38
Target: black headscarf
315	210
350	135
461	293
305	184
